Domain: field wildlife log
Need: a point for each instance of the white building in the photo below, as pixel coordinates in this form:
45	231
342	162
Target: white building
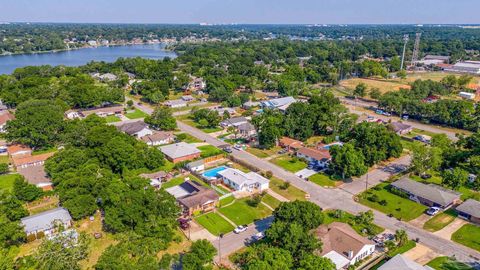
467	95
176	103
137	129
45	222
241	181
472	67
278	103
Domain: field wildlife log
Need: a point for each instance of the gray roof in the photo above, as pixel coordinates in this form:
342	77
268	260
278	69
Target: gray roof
400	262
241	178
247	127
439	57
399	126
235	121
431	192
180	149
132	128
175	102
279	102
45	220
470	207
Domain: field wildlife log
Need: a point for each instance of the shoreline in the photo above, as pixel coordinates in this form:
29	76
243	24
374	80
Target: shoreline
84	47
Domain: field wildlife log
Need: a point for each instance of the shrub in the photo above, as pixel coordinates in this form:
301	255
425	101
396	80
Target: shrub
268	174
255	200
285	185
383	202
373	198
3	168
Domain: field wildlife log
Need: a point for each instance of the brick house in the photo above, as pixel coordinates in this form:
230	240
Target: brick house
179	152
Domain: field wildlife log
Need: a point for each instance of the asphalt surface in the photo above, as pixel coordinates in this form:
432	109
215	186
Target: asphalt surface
331	199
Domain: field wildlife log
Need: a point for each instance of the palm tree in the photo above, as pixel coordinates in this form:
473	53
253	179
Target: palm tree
401	237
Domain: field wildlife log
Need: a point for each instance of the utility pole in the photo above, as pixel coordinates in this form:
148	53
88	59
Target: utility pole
366	183
416	49
405	41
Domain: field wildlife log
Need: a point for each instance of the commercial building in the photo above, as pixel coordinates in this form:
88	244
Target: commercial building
471	67
278	103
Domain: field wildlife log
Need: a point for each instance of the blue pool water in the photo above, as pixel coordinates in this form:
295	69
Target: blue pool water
327	147
213	172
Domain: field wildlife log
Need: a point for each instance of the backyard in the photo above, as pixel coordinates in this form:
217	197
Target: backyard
291	164
441	220
136	114
240	212
112	119
468	235
381	199
214	223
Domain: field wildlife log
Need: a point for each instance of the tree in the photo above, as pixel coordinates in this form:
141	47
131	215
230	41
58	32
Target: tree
425	158
314	262
162	119
454	178
347	161
365	217
24	191
375	93
360	90
38	124
401	237
264	257
305	213
269	127
402	74
64	251
200	256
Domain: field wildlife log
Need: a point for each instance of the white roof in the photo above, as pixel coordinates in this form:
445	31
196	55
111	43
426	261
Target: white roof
180	149
339	260
44	221
240	178
175	102
399	262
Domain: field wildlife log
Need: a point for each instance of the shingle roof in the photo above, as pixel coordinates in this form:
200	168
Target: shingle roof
43	221
158	136
286	141
180	149
399	126
430	192
201	196
132	128
241	178
471	207
235	121
159	174
22	160
5	117
341	238
317	154
246	127
400	262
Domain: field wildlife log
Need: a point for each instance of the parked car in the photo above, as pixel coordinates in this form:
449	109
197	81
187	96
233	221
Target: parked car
184	223
240	229
379	112
258	236
386	113
432	211
405	117
227	149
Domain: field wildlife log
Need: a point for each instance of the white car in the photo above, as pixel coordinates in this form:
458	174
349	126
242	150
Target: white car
240	229
432	211
258	236
238	147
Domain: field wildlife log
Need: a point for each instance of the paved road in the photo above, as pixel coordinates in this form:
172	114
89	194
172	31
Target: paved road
333	199
352	105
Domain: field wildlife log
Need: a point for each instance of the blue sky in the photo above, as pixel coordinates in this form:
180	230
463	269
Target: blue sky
242	11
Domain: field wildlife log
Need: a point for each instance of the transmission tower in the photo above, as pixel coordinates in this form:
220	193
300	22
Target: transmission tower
416	48
405	41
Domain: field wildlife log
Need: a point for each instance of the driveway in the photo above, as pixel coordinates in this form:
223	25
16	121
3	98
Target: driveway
446	233
305	173
419	221
421	254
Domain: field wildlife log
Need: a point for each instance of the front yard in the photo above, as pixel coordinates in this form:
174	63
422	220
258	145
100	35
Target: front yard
240	212
263	153
345	217
324	180
112	119
468	235
446	263
271	201
209	150
291	164
136	114
286	190
441	220
187	120
214	223
381	199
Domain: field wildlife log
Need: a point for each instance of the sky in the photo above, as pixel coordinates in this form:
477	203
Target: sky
243	11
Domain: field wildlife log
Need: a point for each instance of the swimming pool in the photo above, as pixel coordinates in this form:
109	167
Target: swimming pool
328	146
213	172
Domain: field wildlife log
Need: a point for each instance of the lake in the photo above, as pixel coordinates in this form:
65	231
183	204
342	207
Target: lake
9	63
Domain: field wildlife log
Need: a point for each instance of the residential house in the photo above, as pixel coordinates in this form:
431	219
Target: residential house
179	152
159	138
24	161
321	157
72	114
188	98
156	178
247	130
18	150
5	116
290	144
221	110
107	77
194	197
175	103
427	194
278	103
197	84
233	122
250	104
401	262
103	111
401	128
241	181
469	210
467	95
196	166
343	245
136	129
46	222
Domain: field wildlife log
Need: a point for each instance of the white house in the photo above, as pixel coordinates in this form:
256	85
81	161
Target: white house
159	138
176	103
241	181
196	166
72	114
279	103
467	95
137	129
343	245
45	222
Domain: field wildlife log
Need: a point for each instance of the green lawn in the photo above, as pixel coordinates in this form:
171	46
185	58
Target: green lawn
6	181
173	182
225	191
4	159
187	120
446	263
468	235
409	245
324	180
188	138
44	151
409	145
291	193
372	229
112	119
263	153
271	201
401	208
209	150
241	213
290	164
214	223
226	200
441	220
136	114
